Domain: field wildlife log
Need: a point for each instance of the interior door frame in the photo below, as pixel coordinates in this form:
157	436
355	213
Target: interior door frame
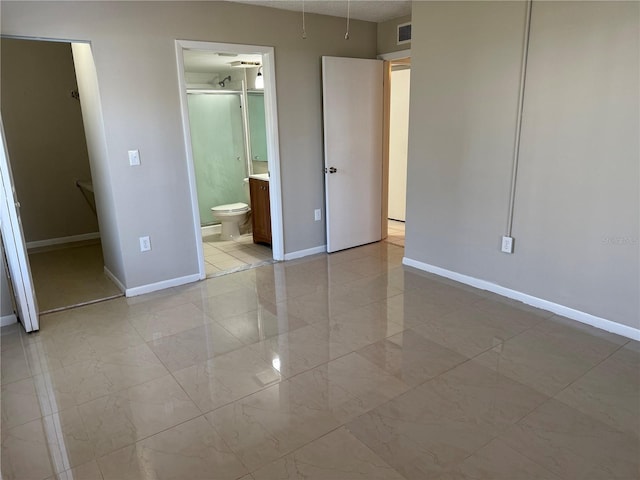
273	143
15	245
390	59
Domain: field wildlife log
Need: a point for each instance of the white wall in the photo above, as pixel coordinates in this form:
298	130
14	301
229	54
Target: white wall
577	196
398	142
133	48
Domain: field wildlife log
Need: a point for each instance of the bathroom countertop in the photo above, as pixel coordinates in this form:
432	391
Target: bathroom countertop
260	176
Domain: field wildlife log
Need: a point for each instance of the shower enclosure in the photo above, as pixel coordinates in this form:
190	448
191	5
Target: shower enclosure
229	144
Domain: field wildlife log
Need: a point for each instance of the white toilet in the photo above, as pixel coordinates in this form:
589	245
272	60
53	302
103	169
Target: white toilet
231	216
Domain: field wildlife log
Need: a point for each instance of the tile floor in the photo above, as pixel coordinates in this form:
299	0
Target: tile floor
70	275
225	256
340	367
395	233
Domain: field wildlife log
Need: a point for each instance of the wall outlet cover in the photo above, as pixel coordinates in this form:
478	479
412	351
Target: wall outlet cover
507	244
145	244
134	157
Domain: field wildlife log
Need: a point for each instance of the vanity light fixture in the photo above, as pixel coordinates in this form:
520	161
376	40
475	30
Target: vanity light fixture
259	80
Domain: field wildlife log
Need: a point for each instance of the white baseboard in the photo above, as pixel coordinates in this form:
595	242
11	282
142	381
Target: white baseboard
61	240
211	230
114	279
152	287
583	317
305	253
8	320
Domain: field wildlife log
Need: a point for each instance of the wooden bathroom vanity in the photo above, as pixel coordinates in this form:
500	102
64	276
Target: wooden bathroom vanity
260	209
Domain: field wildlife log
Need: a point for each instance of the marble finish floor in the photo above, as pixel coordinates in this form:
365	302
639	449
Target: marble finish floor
225	256
336	367
395	232
69	275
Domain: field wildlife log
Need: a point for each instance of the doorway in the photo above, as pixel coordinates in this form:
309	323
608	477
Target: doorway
52	175
229	118
397	88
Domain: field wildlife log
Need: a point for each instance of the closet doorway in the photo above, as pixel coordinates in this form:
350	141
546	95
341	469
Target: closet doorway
47	150
394	197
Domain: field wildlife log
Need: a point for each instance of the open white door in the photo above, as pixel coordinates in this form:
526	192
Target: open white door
14	244
353	123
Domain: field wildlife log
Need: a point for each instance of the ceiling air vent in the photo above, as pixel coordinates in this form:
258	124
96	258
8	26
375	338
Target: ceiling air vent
404	33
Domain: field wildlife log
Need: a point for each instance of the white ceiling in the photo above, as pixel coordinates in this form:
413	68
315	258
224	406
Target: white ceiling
209	62
369	10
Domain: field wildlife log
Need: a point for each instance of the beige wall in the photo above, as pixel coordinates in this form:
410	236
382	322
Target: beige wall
134	53
45	138
101	168
398	142
388	35
577	196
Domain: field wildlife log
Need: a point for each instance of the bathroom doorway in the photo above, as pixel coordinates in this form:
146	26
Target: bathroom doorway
397	88
45	137
228	106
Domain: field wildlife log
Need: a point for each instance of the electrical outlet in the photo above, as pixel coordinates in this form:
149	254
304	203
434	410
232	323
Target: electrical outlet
507	244
145	244
317	214
134	157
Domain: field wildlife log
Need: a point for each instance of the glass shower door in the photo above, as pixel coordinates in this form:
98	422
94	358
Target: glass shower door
217	143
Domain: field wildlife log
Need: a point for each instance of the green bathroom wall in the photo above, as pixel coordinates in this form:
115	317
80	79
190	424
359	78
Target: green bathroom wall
218	151
257	127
